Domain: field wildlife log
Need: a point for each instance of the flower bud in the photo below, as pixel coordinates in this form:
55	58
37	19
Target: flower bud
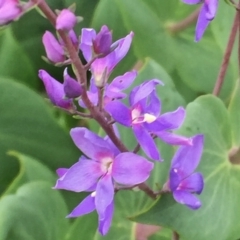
102	42
9	11
55	91
71	87
54	50
66	20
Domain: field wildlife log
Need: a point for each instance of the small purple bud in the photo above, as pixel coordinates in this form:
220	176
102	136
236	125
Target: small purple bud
55	91
53	49
66	20
71	87
9	11
102	42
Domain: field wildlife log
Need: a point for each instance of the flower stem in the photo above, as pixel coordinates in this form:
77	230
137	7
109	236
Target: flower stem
226	58
185	23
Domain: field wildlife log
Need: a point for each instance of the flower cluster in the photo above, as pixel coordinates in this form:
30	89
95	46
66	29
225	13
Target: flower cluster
206	15
105	166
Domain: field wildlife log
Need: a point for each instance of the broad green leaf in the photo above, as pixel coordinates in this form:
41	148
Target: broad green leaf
150	38
14	61
34	212
28	126
29	170
220	211
234	113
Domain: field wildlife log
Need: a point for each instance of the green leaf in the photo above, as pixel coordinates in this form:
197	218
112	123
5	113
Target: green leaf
234	113
30	170
14	61
220	201
34	212
28	126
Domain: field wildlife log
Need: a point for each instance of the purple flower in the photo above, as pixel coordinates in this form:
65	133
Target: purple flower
66	20
95	44
105	167
206	15
112	91
182	181
55	91
9	11
53	48
101	68
145	119
71	87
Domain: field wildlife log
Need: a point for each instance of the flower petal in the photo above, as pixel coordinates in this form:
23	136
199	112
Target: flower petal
146	142
105	222
80	177
89	143
187	158
175	178
202	24
211	6
104	194
142	91
172	120
122	82
131	169
61	171
119	112
174	139
194	183
187	199
85	207
154	107
87	37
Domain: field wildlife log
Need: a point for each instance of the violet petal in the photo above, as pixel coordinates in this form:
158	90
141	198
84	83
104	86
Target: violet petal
146	142
202	24
194	183
85	207
80	176
173	139
187	199
119	112
105	222
104	194
131	169
89	143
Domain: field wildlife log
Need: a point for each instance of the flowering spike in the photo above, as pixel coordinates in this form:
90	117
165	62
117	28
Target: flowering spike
54	50
66	20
